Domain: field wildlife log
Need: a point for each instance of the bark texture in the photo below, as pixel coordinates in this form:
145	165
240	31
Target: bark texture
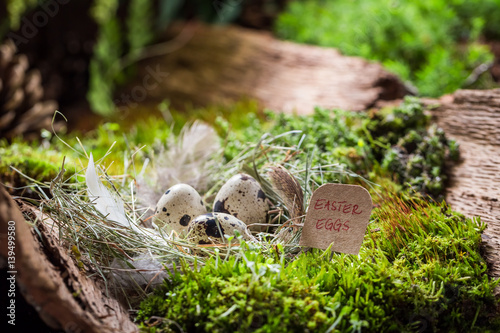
219	65
50	280
472	117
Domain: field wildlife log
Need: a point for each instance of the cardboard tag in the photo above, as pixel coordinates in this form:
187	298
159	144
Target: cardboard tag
337	213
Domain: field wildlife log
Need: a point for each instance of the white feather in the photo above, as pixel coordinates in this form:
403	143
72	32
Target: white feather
105	202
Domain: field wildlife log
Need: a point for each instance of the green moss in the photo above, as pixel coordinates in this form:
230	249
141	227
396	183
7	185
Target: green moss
231	298
419	159
33	160
421	272
117	143
397	142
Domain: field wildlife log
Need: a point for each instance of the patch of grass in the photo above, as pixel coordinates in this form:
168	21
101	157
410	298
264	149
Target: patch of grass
421	272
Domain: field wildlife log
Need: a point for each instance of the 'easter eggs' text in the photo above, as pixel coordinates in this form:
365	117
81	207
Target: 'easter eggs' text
339	206
329	224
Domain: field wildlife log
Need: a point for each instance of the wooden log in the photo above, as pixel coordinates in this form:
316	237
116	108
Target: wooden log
50	280
220	65
472	117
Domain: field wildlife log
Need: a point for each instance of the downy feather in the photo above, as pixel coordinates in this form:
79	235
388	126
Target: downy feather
189	160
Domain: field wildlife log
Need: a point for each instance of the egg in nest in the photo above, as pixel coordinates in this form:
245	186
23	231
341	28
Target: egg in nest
177	207
242	197
210	228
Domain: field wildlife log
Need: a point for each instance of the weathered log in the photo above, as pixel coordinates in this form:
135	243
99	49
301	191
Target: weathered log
50	280
472	117
220	65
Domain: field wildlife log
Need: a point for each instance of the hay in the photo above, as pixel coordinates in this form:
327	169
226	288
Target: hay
132	260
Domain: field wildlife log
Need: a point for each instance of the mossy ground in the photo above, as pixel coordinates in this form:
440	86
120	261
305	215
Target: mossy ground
419	269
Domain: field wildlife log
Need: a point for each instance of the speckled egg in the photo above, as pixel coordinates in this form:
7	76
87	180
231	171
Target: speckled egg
210	228
177	207
242	197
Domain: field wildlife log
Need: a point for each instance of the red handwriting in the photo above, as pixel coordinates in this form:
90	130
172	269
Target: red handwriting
340	206
329	224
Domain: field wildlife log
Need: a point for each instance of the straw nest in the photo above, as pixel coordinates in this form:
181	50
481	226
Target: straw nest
129	256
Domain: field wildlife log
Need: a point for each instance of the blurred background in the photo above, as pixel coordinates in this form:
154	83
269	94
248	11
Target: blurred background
86	50
80	54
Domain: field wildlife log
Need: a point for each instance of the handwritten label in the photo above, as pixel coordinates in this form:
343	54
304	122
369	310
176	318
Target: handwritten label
337	214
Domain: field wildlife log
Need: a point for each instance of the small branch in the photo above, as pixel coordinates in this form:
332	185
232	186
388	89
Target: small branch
476	73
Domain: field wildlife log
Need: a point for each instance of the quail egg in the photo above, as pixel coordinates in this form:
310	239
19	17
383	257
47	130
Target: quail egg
177	207
242	197
210	228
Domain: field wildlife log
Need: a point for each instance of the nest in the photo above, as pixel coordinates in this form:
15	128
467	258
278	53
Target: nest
128	261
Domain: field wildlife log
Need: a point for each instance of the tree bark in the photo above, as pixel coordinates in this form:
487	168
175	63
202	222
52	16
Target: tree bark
220	65
50	280
472	117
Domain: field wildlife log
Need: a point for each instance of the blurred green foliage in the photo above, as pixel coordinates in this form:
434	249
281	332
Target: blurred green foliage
116	41
432	43
124	29
16	9
421	271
